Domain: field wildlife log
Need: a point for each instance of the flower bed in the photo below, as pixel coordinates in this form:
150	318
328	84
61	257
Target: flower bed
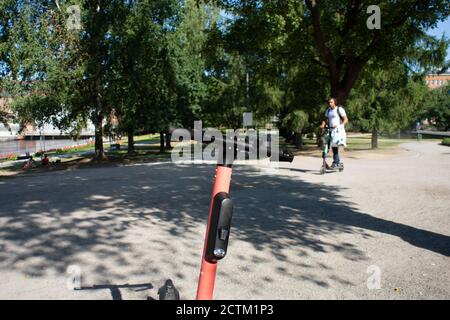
8	157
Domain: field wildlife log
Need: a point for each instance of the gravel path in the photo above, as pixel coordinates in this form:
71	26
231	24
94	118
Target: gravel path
296	234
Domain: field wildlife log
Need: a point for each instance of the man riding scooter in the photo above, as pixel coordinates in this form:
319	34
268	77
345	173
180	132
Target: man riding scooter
336	118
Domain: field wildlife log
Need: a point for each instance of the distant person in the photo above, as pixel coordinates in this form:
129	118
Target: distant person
418	126
45	161
336	118
29	164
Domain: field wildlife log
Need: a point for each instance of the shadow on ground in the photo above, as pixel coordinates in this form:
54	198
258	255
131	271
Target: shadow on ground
103	216
115	289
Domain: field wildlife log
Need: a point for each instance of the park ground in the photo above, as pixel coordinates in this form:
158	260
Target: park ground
296	234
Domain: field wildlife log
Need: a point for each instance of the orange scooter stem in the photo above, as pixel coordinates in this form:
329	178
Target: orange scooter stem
208	269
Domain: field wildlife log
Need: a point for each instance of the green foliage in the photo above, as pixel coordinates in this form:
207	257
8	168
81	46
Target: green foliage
386	99
5	118
296	121
37	61
446	142
436	107
186	45
37	109
154	64
141	72
334	35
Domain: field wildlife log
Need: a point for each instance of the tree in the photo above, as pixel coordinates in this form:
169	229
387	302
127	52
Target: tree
227	99
104	67
5	118
123	44
297	121
97	19
38	66
335	34
345	44
437	107
187	51
386	100
241	74
141	72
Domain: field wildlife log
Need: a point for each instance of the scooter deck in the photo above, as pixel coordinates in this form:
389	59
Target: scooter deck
326	168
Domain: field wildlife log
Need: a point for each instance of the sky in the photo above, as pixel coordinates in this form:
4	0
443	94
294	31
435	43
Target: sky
441	28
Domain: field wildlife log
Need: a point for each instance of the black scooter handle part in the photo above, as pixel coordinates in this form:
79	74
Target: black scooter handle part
219	229
263	150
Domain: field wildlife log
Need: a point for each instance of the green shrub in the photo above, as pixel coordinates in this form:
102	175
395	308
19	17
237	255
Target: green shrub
446	142
8	157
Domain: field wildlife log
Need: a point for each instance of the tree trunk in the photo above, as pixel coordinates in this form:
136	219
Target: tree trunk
298	140
319	139
130	134
168	140
341	95
162	145
99	152
341	90
374	139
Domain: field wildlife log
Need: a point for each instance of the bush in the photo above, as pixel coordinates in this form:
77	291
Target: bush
8	157
446	142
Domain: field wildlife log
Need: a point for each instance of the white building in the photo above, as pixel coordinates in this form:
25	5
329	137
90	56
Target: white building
30	130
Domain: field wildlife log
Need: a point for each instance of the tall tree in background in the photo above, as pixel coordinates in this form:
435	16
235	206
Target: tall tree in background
436	107
38	63
5	118
97	19
345	44
141	71
386	99
341	41
187	46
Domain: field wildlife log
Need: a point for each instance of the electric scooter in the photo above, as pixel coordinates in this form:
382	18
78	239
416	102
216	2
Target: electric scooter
219	220
326	142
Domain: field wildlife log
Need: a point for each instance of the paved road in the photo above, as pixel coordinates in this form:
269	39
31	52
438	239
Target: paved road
297	235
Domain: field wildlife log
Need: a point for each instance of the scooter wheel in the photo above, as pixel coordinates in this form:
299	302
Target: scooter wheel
322	170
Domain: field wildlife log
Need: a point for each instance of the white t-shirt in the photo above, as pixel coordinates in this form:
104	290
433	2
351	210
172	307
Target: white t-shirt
333	116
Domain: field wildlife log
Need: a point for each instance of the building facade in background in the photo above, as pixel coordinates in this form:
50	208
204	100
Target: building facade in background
435	81
30	131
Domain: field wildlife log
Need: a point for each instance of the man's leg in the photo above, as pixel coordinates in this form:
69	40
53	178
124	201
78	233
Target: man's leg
336	159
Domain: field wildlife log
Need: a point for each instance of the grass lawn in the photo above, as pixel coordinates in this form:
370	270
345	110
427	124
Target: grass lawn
365	142
147	138
144	139
141	152
71	150
354	143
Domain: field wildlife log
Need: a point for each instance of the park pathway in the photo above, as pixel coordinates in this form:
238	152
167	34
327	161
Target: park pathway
296	234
